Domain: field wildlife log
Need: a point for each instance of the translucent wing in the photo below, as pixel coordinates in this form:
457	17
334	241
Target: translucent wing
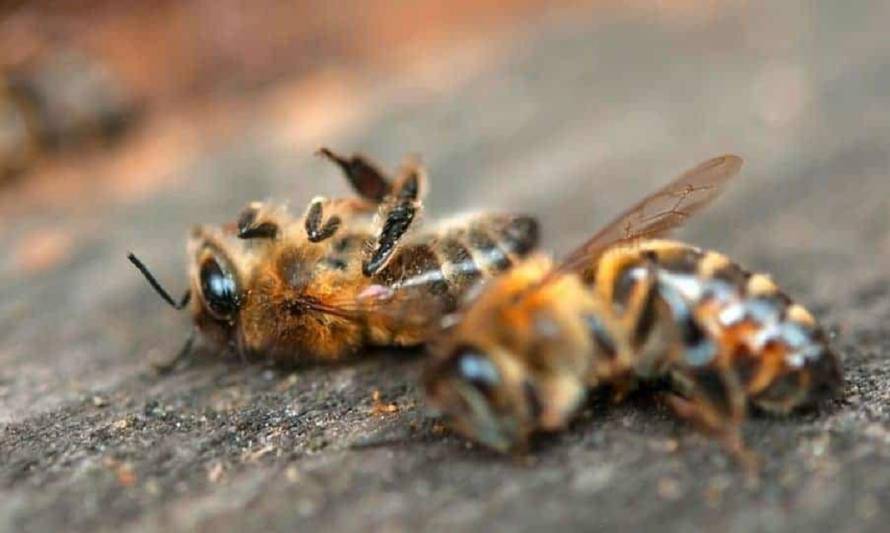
403	308
417	309
660	212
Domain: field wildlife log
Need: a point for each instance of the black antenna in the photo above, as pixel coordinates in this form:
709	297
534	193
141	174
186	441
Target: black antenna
157	286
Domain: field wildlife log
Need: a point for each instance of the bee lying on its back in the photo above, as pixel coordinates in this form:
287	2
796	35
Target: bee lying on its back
623	310
321	286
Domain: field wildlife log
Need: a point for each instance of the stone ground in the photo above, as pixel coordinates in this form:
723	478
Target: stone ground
570	118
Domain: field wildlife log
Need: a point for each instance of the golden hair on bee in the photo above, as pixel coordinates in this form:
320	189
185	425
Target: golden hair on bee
347	273
623	309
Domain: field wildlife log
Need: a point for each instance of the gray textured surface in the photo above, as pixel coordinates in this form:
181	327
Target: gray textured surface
578	117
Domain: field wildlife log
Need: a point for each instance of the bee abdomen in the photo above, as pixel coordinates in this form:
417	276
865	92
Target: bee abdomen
498	241
447	265
518	235
716	313
488	246
781	356
461	269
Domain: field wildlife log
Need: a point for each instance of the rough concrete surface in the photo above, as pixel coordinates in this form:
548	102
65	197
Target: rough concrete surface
571	119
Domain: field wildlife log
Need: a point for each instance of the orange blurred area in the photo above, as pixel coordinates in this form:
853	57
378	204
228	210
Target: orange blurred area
167	49
192	73
128	92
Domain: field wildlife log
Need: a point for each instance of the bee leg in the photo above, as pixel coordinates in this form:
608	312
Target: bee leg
166	367
397	213
622	387
259	221
643	319
712	417
365	177
317	229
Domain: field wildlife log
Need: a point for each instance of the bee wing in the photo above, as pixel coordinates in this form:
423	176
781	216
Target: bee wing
657	214
669	207
405	307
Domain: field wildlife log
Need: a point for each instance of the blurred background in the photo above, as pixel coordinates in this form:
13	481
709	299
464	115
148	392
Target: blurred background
122	123
107	103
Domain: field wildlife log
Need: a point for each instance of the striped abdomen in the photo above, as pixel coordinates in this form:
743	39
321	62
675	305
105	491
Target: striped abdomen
447	263
715	329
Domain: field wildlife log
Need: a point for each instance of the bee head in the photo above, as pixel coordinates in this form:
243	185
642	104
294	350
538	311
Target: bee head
216	295
482	397
512	364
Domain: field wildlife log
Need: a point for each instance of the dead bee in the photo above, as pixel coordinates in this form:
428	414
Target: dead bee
348	273
56	102
622	310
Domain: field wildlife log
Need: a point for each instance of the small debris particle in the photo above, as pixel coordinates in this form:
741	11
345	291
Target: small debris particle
99	401
215	473
258	454
381	408
123	471
288	382
125	476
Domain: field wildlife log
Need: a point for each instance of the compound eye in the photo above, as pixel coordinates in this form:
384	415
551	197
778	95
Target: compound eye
219	289
473	367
